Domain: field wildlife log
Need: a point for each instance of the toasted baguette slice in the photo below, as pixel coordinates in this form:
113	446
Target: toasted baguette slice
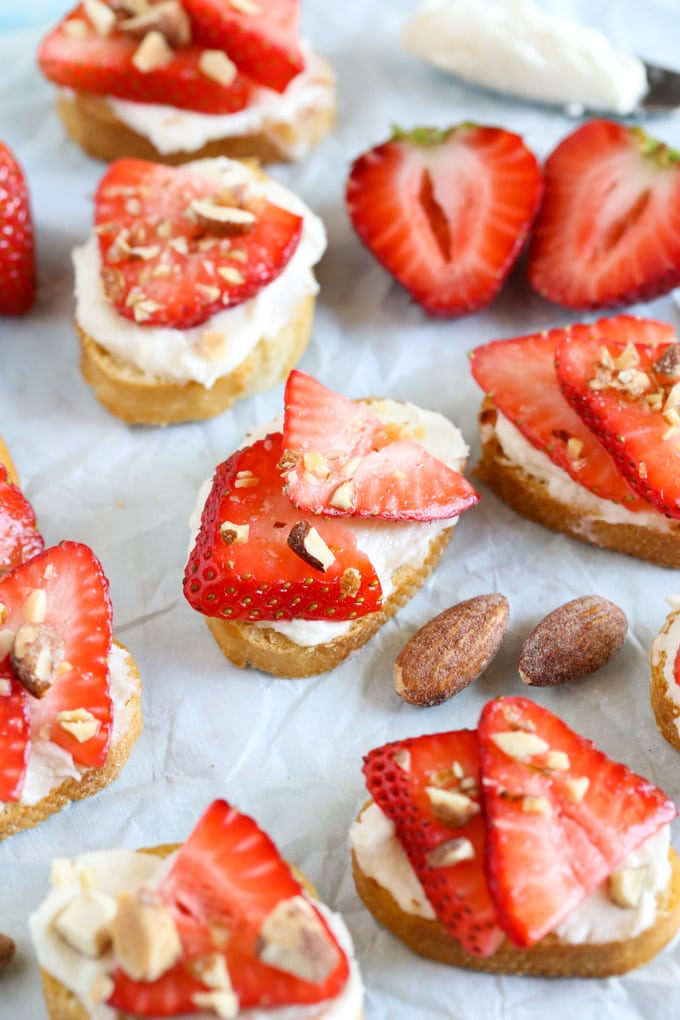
528	495
6	459
139	399
662	654
248	644
551	957
15	817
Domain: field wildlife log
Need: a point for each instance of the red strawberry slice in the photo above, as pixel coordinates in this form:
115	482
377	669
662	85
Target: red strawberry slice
520	376
15	736
561	815
446	212
626	395
70	582
401	777
341	459
164	263
19	535
260	36
80	58
608	231
17	254
229	876
255	574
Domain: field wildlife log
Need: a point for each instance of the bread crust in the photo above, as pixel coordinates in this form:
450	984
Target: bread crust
246	644
551	957
141	399
92	124
666	712
15	817
528	496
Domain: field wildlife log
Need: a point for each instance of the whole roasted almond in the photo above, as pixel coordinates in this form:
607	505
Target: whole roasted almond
576	639
6	950
452	650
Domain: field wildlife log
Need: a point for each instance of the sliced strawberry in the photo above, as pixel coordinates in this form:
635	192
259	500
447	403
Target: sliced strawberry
260	36
78	611
19	535
519	374
228	877
164	264
80	58
446	212
401	778
341	459
17	252
627	396
608	231
15	736
558	824
256	575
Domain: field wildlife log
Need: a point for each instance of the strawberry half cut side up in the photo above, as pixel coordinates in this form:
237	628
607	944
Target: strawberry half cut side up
446	212
257	557
225	889
177	247
429	787
260	36
553	799
17	251
340	459
19	535
123	62
608	231
519	375
57	638
629	397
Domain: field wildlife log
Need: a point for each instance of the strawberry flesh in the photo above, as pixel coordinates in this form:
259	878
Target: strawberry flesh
519	375
17	252
103	65
608	231
398	777
261	577
550	841
446	212
19	535
263	41
164	267
15	736
625	395
334	445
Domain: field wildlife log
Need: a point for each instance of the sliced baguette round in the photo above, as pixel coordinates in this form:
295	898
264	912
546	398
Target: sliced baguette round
91	122
140	399
551	957
528	496
15	817
6	459
249	644
666	712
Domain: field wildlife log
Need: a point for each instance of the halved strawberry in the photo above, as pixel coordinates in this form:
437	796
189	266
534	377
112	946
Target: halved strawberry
17	252
407	779
256	573
520	376
166	262
446	212
260	36
341	459
19	535
64	591
15	737
229	877
561	815
76	56
628	395
608	231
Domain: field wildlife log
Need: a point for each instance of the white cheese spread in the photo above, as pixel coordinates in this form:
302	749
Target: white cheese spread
595	920
180	355
521	49
112	871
